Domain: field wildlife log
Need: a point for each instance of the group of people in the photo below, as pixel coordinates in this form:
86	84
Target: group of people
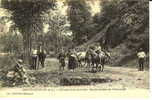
72	62
74	58
18	73
38	56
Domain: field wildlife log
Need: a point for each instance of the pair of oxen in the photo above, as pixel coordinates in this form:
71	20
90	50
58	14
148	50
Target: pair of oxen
93	59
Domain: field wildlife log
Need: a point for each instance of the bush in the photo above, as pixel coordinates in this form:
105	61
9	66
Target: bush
131	26
11	43
6	62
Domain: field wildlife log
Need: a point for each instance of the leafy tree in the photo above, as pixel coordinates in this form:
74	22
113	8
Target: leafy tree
81	21
56	36
27	16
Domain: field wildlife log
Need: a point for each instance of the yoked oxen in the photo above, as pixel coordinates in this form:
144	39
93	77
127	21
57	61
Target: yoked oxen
91	58
98	60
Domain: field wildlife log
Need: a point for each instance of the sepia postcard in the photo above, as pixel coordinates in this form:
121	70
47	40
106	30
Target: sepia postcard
74	48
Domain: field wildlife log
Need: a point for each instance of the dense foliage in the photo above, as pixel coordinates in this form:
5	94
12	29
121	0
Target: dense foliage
131	26
11	43
81	21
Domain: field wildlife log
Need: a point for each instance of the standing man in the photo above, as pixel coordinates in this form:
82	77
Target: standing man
34	58
141	57
42	55
61	58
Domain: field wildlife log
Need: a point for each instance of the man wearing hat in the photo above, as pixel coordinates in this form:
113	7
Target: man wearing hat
141	57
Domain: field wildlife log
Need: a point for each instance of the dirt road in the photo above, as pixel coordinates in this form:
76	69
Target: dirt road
119	77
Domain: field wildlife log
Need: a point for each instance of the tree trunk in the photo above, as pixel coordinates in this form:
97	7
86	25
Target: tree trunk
27	49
